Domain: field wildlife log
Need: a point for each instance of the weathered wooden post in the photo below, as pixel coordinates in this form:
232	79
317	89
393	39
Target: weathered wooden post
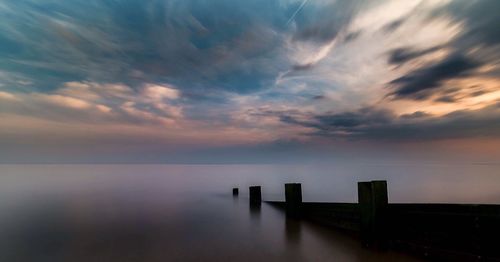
365	205
293	198
235	191
255	195
373	201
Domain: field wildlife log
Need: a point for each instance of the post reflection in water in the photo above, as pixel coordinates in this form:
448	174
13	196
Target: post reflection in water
255	211
292	239
292	231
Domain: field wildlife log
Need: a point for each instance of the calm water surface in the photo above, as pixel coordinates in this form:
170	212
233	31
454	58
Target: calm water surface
186	213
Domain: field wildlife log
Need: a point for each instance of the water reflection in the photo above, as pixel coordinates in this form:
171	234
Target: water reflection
255	210
292	231
59	231
154	217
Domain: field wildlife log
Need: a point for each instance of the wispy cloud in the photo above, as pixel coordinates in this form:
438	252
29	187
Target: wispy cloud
249	72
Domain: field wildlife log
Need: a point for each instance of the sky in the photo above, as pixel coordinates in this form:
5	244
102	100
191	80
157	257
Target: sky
225	81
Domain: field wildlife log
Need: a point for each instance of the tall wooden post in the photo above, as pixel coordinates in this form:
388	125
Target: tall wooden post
373	201
365	207
235	191
255	195
293	198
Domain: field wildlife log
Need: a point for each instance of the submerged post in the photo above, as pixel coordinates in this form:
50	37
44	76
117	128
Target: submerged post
235	191
293	198
255	195
373	201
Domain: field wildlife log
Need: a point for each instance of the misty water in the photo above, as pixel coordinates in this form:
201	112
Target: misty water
187	213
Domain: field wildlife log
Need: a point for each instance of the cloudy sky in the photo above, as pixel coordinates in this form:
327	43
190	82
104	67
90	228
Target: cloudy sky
241	81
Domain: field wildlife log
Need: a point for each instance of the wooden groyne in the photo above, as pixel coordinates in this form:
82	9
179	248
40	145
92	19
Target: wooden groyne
451	232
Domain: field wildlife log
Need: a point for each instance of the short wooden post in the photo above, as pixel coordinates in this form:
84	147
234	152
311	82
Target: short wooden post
235	191
255	195
293	198
373	201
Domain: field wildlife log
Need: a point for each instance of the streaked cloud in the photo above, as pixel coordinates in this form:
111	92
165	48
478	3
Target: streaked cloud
372	123
416	84
247	73
88	101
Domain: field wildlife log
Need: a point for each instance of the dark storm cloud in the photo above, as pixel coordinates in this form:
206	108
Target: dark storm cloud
476	44
447	94
453	95
340	122
402	55
364	116
481	18
372	123
420	83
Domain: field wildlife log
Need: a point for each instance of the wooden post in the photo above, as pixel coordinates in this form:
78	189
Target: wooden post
380	205
373	201
255	195
293	198
235	191
364	202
